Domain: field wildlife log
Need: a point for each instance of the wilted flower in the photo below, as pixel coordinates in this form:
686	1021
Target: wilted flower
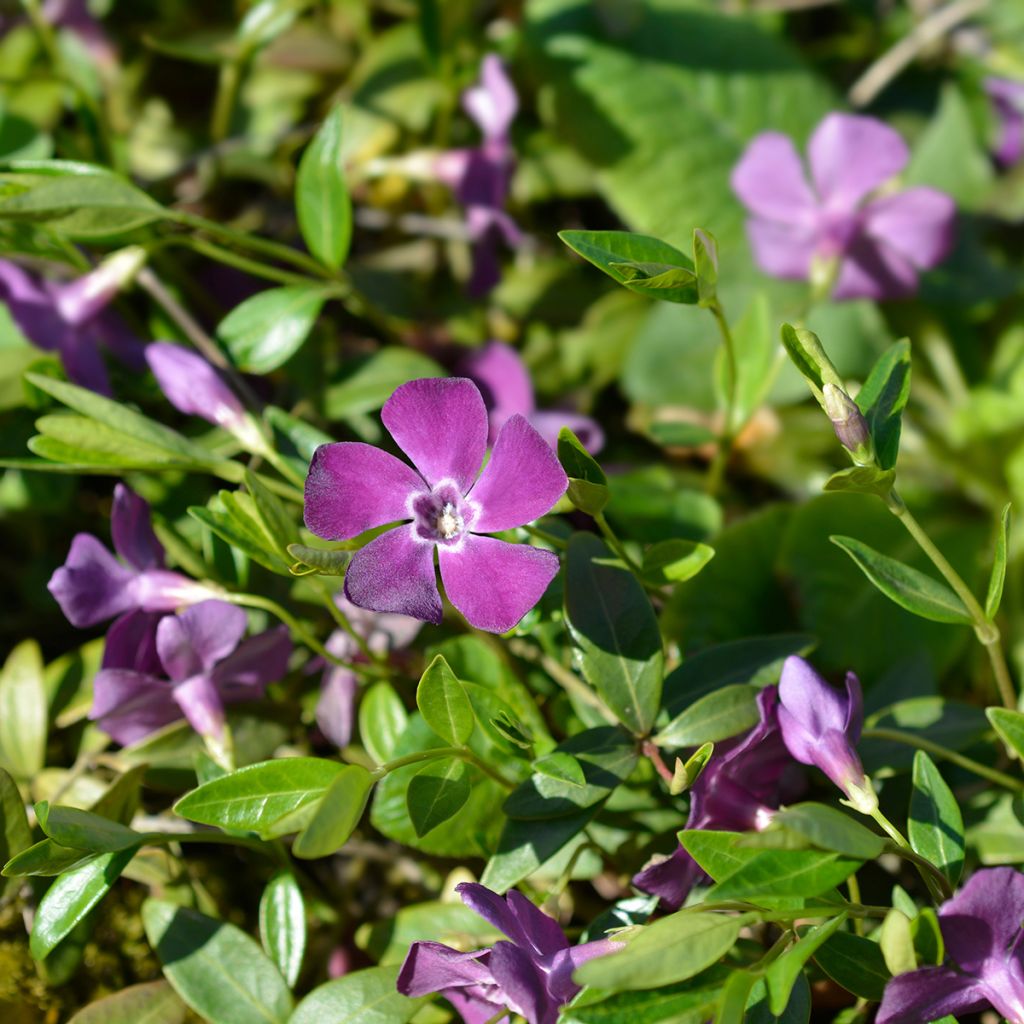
821	727
441	425
738	790
92	585
1007	96
981	929
531	975
207	665
873	244
72	318
507	389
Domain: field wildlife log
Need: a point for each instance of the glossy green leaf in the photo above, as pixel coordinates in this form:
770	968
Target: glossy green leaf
283	924
614	627
883	398
322	201
267	329
153	1002
215	967
777	873
717	852
855	963
362	997
804	348
336	815
15	834
920	594
233	517
862	480
675	561
687	1002
443	702
271	798
716	716
588	486
797	1010
829	829
897	943
705	264
1010	726
935	826
782	974
687	772
733	1003
83	830
382	719
279	525
436	793
998	577
372	382
23	711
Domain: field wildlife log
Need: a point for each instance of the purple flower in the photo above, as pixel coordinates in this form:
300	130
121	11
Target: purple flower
441	425
821	727
75	16
1007	96
738	790
335	711
72	318
531	975
874	243
481	177
981	928
92	585
507	389
207	665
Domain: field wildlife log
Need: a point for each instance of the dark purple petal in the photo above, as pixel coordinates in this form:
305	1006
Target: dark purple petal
522	481
670	878
854	709
353	487
128	706
770	181
201	704
1007	97
473	1004
917	223
335	710
983	920
783	250
92	585
131	643
560	985
193	386
31	307
494	583
432	967
809	700
255	663
441	424
521	983
548	423
503	381
80	355
872	270
395	573
197	638
132	530
107	330
492	102
543	934
928	994
851	156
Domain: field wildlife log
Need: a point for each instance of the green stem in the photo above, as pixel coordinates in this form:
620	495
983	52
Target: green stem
267	605
342	620
615	544
921	743
282	465
853	887
716	472
250	266
936	882
216	838
228	86
549	538
462	753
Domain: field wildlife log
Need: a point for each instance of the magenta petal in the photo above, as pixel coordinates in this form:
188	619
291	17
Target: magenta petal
432	967
353	487
335	710
201	704
522	481
441	424
192	385
783	250
200	636
917	223
254	664
770	181
983	920
521	983
550	422
503	381
128	706
851	155
494	583
929	994
132	530
493	102
91	585
395	573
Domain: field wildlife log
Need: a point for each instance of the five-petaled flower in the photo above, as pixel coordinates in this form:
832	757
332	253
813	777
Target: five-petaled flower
841	228
531	975
739	790
441	425
505	384
981	929
821	727
206	664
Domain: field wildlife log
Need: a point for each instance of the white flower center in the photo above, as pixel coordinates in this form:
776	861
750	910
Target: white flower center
449	523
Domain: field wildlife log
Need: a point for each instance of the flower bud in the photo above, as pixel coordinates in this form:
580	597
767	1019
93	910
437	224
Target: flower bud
849	424
83	298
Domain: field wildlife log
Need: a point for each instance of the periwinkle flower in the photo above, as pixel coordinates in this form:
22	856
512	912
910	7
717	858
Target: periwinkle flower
442	505
530	975
739	790
821	727
73	318
93	585
981	929
1007	96
840	224
849	424
203	665
505	383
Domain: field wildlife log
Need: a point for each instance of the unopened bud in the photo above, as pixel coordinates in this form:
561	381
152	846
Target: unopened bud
88	295
848	422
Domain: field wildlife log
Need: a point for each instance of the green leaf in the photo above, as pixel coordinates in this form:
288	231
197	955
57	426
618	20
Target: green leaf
920	594
443	703
754	344
1010	726
233	517
935	826
336	815
283	924
716	716
687	1002
638	262
689	771
672	949
23	711
777	873
716	852
804	348
613	624
72	896
674	561
705	262
782	974
436	793
279	526
15	834
321	196
215	967
897	943
998	577
588	486
856	964
883	398
829	829
267	329
272	798
797	1010
154	1002
83	830
317	561
382	719
362	997
733	1004
862	480
372	384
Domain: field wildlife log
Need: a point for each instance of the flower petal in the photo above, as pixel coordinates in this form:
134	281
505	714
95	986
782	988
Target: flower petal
335	710
560	985
851	155
352	487
782	250
809	699
128	706
928	994
854	708
522	481
197	638
770	181
549	423
521	983
132	530
670	878
918	223
80	354
493	102
31	307
131	643
494	583
983	920
200	702
253	665
432	967
872	270
503	381
542	932
192	385
395	573
91	585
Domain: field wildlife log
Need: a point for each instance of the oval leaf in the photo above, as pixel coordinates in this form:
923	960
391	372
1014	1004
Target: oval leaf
322	201
336	815
444	704
283	924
